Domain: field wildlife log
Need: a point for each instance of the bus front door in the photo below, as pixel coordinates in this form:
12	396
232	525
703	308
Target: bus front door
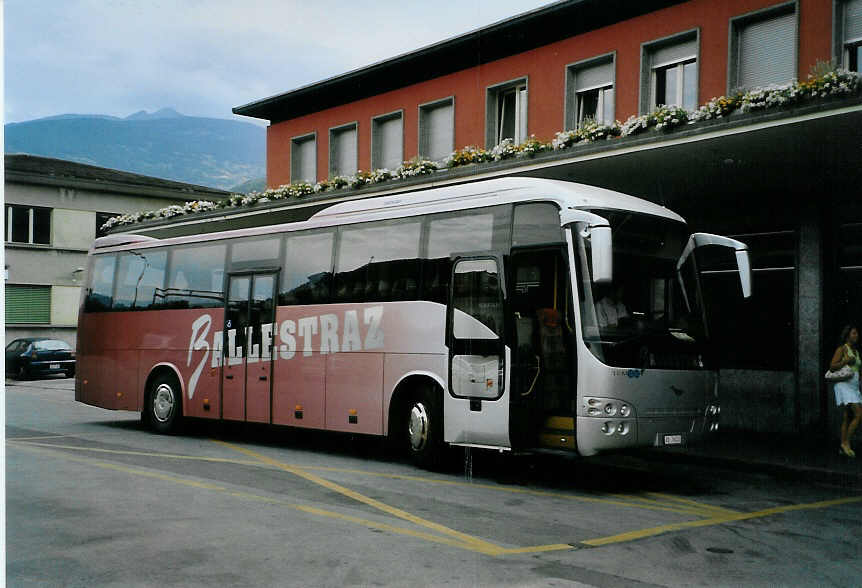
476	410
248	331
542	398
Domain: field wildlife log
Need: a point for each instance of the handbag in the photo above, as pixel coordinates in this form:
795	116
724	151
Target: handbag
840	375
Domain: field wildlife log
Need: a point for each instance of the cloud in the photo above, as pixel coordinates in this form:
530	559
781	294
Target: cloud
203	57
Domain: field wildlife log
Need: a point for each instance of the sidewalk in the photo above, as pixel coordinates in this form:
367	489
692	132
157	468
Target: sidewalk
787	456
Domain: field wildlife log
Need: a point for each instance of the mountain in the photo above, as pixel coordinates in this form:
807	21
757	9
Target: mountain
218	153
161	113
255	185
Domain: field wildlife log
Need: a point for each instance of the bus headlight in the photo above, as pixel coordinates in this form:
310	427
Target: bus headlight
607	407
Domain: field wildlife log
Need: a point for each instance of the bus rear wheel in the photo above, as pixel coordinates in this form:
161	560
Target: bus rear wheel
423	427
163	407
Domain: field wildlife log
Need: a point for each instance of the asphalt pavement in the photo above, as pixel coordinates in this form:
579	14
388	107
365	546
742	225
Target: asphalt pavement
793	456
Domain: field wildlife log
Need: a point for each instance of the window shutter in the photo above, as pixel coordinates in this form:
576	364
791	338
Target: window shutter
28	304
767	52
596	76
344	151
439	125
304	168
389	143
521	135
852	20
674	53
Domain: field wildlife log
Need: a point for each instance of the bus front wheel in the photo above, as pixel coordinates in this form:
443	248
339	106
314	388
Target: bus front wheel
163	407
424	429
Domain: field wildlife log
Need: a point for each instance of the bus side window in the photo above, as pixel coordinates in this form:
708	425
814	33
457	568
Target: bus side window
481	230
307	276
196	277
378	262
100	292
140	275
255	253
536	223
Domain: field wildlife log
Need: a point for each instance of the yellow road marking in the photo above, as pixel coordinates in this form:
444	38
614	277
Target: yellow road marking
478	544
676	503
622	500
695	504
641	533
129	470
144	453
538	548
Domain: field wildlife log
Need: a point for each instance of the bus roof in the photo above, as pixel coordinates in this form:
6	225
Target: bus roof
567	195
496	191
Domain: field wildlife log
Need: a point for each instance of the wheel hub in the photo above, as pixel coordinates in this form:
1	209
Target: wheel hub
417	428
163	403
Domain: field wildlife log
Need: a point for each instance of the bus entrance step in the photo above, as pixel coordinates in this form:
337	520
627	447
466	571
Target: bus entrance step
558	432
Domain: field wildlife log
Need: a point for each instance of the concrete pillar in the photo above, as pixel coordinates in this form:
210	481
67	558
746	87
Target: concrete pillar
809	318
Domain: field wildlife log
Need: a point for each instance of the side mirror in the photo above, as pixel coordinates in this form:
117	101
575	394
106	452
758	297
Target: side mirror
743	263
602	254
598	231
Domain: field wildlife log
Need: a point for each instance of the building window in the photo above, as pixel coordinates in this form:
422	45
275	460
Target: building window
303	159
849	30
676	85
342	150
763	48
669	72
437	129
28	224
506	113
101	219
590	92
387	141
28	304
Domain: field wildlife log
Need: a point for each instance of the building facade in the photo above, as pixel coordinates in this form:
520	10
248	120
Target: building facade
54	210
547	71
785	181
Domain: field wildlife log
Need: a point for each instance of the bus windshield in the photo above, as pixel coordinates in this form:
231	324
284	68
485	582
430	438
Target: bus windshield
651	315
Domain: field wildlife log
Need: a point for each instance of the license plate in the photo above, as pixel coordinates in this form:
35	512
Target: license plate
673	439
56	366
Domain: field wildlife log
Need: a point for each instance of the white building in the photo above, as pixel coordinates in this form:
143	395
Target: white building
53	211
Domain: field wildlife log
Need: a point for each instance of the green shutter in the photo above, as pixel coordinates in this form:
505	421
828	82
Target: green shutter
28	304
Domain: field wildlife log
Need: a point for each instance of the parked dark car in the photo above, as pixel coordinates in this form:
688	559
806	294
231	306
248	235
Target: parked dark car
30	357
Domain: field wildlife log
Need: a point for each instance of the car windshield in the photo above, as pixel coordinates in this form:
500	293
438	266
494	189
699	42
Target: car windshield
651	315
51	345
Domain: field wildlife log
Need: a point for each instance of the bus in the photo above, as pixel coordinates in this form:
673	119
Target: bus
517	314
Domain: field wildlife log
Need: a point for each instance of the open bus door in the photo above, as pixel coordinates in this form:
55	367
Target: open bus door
476	408
542	397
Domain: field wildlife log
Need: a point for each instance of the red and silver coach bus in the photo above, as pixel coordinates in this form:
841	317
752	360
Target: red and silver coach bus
513	313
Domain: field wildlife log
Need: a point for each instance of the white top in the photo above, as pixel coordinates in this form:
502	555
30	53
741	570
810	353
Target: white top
609	312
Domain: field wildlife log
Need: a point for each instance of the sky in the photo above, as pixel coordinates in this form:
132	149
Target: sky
204	57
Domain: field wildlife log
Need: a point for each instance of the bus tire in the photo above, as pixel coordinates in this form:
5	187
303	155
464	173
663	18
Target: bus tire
163	407
422	420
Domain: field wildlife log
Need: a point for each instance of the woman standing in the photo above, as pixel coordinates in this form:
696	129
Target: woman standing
847	393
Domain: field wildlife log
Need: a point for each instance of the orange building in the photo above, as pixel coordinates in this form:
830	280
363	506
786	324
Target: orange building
785	179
